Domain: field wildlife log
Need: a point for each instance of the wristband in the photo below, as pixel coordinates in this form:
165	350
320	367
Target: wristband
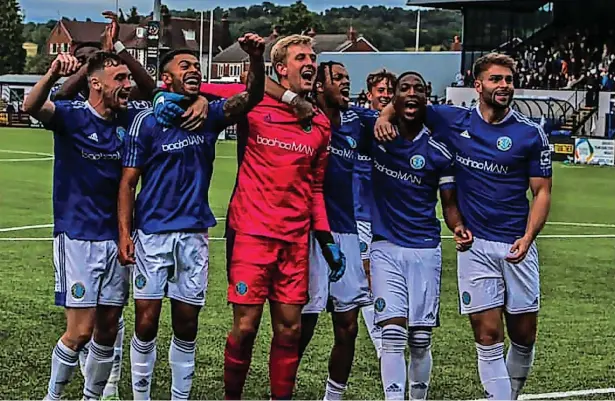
288	96
119	47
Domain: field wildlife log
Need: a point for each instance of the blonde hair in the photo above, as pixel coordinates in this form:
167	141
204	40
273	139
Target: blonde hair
279	51
482	64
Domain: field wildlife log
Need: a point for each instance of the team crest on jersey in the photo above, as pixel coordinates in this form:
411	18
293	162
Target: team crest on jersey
77	290
140	281
417	162
307	127
379	304
120	132
241	288
363	246
351	142
504	143
466	298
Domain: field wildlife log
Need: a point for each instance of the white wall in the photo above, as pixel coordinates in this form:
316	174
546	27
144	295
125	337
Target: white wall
439	68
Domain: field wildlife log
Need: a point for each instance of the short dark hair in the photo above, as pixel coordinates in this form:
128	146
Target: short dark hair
101	60
166	59
81	45
322	67
407	73
375	78
483	63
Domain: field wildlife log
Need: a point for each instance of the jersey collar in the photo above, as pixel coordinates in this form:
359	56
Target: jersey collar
424	131
509	115
93	111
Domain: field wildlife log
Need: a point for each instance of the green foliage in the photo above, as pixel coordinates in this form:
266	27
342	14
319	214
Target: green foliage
38	64
12	55
388	29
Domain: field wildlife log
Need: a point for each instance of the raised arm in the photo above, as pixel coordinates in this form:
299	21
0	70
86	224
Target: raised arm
240	104
110	42
37	103
73	85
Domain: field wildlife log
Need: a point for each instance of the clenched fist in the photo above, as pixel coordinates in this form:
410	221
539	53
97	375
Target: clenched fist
252	44
64	65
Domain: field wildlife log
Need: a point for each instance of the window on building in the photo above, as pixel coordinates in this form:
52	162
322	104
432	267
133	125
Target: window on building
189	35
140	32
64	47
53	48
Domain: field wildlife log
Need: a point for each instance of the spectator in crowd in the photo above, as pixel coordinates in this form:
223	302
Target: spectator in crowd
582	60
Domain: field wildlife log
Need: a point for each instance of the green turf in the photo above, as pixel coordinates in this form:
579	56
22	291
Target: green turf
575	342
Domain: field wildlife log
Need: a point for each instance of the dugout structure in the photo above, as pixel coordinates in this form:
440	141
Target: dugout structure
500	25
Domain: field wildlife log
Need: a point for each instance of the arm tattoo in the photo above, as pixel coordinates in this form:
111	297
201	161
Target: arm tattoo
242	103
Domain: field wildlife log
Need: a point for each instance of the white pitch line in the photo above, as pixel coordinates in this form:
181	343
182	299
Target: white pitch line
565	223
51	239
35	159
567	394
7	229
580	236
23	152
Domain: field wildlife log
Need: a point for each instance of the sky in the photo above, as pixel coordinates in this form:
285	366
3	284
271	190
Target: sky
44	10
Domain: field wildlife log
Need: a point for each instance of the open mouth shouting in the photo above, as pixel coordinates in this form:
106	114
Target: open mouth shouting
411	106
308	74
192	83
502	97
345	92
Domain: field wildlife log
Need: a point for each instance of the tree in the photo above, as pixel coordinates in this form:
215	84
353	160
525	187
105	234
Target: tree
134	17
12	54
296	18
38	64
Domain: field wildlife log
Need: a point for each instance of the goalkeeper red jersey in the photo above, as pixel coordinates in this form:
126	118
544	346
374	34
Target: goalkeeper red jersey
279	186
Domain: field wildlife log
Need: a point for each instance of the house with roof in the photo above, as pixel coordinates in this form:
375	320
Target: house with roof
176	33
230	63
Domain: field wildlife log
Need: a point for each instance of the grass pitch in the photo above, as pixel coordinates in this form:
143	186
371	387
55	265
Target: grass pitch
575	346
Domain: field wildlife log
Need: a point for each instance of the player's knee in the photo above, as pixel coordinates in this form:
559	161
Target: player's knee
288	332
77	337
419	341
186	331
245	332
346	331
146	326
489	335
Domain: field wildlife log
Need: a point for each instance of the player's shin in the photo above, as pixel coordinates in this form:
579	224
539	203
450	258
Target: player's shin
393	361
492	371
519	362
237	359
284	354
419	370
142	361
64	361
181	359
111	389
375	331
83	357
97	369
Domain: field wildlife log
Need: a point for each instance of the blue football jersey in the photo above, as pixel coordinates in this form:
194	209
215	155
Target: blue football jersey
406	178
338	184
176	168
87	170
363	169
494	163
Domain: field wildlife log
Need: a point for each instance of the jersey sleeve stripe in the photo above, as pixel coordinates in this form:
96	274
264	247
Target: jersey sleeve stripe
441	147
524	120
133	134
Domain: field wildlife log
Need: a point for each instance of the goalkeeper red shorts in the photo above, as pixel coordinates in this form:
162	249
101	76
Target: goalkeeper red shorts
266	268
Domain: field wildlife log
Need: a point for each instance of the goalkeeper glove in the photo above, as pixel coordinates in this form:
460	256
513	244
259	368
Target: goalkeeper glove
167	108
336	260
